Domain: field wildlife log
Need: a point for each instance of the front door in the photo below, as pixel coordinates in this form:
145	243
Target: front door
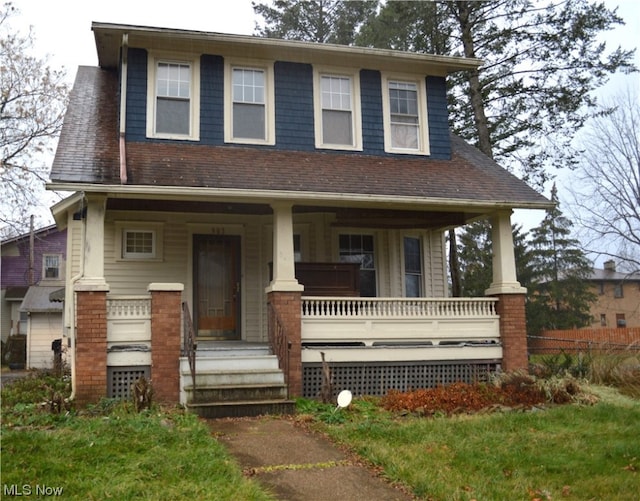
216	294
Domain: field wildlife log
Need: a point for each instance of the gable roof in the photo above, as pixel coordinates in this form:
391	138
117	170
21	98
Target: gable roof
87	159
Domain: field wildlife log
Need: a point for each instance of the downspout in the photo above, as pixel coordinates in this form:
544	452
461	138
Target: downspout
123	109
72	307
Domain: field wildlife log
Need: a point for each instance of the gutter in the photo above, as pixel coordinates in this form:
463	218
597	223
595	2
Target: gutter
192	193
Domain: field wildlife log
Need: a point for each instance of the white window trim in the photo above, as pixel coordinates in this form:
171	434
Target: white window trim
356	114
194	98
269	100
423	128
121	227
44	266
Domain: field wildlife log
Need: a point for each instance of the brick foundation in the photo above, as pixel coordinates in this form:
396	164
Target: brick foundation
165	344
513	332
91	347
288	307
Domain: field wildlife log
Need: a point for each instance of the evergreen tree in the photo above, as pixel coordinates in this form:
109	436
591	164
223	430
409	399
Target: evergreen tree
476	258
324	21
541	63
561	297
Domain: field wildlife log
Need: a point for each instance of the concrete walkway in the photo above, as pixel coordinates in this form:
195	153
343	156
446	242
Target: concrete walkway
298	465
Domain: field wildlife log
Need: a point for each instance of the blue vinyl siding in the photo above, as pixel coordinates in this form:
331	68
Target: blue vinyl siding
294	106
439	139
137	95
212	100
371	105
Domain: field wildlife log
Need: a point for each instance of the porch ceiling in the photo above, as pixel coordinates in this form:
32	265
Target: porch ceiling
345	216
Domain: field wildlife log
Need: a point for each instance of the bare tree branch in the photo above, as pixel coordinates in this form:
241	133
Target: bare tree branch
606	198
33	100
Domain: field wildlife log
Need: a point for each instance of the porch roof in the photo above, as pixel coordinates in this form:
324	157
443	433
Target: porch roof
87	159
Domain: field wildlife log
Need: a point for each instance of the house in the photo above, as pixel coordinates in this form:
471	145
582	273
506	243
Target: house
245	206
618	297
32	269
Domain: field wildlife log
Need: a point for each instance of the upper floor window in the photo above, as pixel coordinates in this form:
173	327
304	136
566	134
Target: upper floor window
172	107
405	115
51	266
249	110
337	110
618	291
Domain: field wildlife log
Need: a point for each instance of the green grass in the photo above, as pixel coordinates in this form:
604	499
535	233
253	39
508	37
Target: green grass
565	452
112	452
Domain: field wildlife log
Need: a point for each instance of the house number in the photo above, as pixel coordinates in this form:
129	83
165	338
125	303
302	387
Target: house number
216	230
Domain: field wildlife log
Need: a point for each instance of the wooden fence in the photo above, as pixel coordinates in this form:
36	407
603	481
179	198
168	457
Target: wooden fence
581	340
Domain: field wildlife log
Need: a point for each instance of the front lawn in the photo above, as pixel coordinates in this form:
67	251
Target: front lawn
112	452
572	452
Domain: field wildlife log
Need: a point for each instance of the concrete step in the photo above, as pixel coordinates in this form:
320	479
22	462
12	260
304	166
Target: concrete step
236	393
214	410
239	377
233	363
221	349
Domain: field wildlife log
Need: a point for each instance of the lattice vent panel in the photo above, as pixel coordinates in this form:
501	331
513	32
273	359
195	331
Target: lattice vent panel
377	379
121	378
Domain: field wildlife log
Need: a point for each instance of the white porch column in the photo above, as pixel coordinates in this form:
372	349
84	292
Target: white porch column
284	277
504	261
93	256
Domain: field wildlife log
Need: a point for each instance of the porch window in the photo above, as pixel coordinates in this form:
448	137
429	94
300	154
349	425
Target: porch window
139	240
405	116
138	244
172	108
51	266
412	267
249	105
337	107
359	249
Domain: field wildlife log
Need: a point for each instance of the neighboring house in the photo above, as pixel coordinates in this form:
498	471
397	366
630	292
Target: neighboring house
618	297
33	268
294	196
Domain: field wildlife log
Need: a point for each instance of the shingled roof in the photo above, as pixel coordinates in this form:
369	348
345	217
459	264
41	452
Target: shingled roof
88	153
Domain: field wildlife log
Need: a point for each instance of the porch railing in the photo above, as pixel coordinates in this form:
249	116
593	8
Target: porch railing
371	322
358	307
189	343
279	342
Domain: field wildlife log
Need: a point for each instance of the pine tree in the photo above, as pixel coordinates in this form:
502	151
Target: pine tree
561	297
323	21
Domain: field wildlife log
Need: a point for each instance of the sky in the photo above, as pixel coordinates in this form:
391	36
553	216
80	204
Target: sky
63	33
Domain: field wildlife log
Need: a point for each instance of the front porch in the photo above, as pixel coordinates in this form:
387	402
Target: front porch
371	345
